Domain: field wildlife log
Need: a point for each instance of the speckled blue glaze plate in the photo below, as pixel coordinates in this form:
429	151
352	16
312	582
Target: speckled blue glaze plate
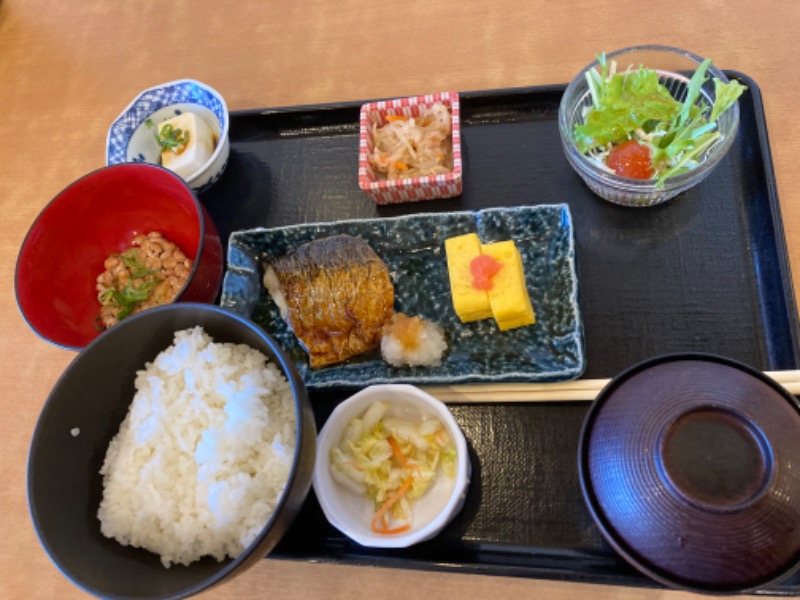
413	248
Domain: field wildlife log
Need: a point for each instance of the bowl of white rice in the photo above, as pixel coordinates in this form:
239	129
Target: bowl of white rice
173	453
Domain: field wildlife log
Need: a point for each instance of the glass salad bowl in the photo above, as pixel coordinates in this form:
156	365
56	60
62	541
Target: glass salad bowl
702	145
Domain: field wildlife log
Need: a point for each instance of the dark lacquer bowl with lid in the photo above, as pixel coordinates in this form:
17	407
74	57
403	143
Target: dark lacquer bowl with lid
690	465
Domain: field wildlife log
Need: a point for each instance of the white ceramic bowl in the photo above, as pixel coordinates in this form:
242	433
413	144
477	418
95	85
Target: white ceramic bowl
352	513
130	140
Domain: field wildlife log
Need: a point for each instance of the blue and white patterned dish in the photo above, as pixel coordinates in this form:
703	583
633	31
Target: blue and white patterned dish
130	140
413	248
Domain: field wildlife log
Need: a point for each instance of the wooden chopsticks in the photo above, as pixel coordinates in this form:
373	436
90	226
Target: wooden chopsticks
566	391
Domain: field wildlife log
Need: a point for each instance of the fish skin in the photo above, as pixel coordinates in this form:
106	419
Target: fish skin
339	296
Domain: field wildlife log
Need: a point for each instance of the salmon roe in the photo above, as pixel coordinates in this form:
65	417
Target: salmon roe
631	159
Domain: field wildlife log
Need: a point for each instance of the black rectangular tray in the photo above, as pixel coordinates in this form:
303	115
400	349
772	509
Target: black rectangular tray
705	272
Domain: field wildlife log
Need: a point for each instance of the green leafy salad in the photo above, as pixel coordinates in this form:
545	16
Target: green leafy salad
636	128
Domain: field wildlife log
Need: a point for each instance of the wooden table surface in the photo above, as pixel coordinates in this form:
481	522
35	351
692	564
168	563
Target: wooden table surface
68	68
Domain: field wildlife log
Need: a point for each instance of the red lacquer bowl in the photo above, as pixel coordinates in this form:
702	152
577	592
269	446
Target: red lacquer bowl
98	215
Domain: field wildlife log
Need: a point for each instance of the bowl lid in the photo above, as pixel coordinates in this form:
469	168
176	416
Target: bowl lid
689	466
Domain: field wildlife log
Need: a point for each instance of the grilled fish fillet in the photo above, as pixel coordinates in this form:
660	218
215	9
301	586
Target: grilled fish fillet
336	295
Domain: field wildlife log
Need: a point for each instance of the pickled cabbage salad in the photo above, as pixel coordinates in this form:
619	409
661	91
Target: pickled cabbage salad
394	460
636	128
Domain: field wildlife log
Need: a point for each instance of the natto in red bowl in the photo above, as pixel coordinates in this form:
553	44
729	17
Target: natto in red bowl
94	217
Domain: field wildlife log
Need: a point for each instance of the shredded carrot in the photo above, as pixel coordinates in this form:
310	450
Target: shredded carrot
383	527
398	453
378	521
401	529
391	118
400	165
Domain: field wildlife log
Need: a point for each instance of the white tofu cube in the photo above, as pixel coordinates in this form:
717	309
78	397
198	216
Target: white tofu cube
196	152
